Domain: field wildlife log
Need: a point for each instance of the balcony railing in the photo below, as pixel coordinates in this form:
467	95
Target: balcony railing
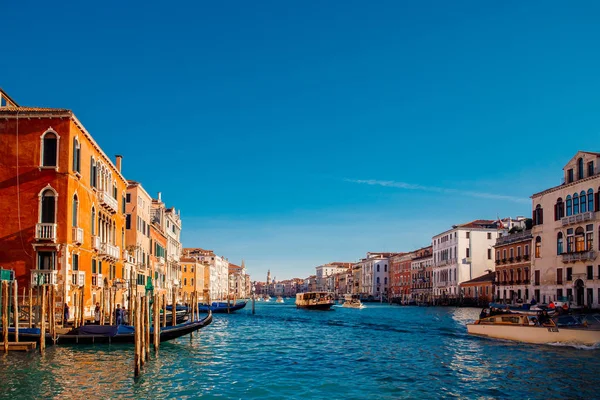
575	219
580	256
96	242
109	251
77	235
78	278
446	262
160	260
44	277
97	280
45	231
108	202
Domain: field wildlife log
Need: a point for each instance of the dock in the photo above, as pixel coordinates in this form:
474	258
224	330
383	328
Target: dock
21	346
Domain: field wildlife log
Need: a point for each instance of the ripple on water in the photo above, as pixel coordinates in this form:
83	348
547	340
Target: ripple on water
281	352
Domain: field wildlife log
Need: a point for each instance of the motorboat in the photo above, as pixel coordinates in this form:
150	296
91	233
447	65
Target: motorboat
352	301
315	300
279	300
539	329
221	307
267	297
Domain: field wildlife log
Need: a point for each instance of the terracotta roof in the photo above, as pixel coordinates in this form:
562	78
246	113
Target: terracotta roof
12	110
478	223
489	277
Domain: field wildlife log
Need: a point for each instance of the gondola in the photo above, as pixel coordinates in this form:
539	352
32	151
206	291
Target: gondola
92	334
217	307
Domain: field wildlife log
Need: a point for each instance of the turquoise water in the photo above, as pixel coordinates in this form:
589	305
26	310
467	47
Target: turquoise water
380	352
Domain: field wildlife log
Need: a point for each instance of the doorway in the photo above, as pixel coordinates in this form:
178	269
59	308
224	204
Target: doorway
579	299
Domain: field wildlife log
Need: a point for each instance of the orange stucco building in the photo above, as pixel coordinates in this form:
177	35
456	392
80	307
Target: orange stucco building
62	201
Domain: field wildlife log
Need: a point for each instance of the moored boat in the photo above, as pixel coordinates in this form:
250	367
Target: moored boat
279	300
314	300
541	329
352	301
220	307
91	334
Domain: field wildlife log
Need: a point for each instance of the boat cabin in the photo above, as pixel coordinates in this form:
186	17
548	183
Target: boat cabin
515	319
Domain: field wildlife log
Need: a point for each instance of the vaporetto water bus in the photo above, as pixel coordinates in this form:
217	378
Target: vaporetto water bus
315	300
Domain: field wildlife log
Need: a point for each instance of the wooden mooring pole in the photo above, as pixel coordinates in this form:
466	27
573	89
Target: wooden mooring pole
164	306
30	307
156	320
42	321
5	314
174	309
135	312
147	327
16	309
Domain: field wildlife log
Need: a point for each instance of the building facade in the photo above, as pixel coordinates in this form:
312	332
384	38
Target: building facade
66	199
566	233
192	279
463	253
421	269
513	267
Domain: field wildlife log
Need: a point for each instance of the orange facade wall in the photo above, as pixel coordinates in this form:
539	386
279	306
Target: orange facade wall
22	182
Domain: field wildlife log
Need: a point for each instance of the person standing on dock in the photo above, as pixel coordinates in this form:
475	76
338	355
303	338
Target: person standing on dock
66	313
118	315
97	314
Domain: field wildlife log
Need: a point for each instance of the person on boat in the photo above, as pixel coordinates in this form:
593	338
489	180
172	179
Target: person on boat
66	313
544	318
533	302
97	314
483	314
124	314
118	315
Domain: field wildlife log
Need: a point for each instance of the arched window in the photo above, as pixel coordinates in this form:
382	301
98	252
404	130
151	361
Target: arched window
93	172
184	281
579	240
49	149
385	281
385	268
582	199
575	204
378	280
76	155
590	199
93	221
559	243
48	207
377	267
538	215
75	210
559	211
580	168
569	206
538	247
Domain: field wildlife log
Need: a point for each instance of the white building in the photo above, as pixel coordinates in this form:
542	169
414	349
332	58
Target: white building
566	235
326	271
216	281
138	207
463	253
174	249
374	278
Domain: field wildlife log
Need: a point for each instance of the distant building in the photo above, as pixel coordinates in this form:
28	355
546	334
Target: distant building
478	290
463	253
513	265
421	270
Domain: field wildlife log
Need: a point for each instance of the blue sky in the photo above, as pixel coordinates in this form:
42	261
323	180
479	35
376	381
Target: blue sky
293	133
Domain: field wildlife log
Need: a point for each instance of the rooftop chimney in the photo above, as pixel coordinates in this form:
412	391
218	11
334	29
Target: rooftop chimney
119	159
159	196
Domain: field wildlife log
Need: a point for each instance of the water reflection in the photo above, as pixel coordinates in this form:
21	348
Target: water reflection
379	352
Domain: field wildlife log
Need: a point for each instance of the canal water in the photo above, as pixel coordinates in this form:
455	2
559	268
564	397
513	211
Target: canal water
380	352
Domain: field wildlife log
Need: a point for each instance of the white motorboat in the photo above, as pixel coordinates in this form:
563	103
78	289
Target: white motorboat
542	329
279	300
352	301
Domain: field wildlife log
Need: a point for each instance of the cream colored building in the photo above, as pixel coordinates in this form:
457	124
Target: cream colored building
192	279
566	230
138	206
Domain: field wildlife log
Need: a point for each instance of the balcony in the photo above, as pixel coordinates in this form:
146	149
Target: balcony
108	202
44	277
78	278
45	232
575	219
96	242
580	256
109	251
77	235
97	280
160	260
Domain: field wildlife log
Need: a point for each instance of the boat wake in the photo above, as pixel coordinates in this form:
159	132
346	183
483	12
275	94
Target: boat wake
576	346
